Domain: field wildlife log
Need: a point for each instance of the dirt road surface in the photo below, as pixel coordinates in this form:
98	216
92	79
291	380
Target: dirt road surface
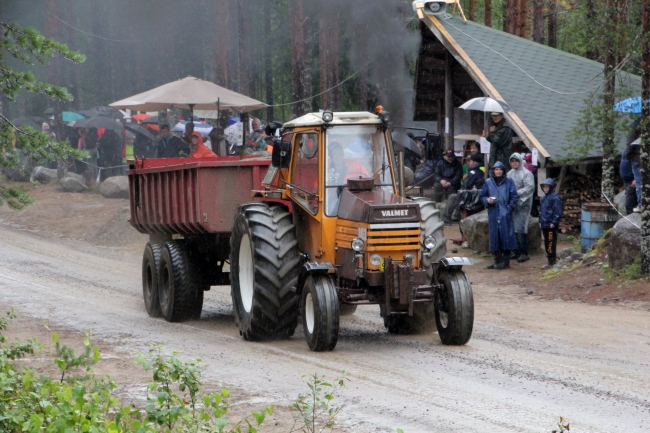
529	361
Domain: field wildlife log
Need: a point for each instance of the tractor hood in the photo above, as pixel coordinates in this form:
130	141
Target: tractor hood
377	206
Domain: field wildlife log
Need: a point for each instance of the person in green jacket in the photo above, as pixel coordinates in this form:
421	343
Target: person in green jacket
500	138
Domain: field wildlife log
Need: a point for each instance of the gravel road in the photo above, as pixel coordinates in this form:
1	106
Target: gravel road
528	363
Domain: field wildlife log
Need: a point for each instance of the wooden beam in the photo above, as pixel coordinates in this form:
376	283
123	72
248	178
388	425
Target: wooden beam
486	86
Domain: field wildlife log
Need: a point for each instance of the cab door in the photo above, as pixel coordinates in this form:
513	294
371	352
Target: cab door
305	191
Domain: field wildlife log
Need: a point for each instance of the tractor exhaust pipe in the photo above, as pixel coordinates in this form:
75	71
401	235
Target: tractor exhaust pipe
400	174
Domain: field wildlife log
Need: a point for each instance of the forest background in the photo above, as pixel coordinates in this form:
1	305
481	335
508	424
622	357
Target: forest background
351	54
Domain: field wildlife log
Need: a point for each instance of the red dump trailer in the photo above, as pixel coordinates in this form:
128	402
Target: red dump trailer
187	207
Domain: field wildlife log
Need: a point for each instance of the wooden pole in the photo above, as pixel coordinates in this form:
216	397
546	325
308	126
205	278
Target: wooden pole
449	104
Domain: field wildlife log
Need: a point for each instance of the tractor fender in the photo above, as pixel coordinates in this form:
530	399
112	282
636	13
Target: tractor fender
455	262
310	268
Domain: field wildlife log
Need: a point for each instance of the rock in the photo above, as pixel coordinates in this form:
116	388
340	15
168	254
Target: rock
72	184
530	291
619	201
77	177
564	253
476	229
576	256
625	239
44	175
115	187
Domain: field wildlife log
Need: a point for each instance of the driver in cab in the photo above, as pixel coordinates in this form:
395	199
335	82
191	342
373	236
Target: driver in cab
341	168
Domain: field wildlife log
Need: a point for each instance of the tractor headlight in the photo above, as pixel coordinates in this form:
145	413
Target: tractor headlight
357	244
328	116
410	257
375	260
429	242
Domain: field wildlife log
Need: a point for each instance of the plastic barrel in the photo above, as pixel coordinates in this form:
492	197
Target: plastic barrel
596	219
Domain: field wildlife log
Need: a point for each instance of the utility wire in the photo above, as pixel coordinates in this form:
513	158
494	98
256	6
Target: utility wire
314	96
85	32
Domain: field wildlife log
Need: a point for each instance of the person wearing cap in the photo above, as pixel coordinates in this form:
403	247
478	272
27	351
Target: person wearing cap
550	214
500	138
474	181
500	197
525	184
447	176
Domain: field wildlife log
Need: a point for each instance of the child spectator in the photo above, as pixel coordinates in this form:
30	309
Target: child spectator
550	213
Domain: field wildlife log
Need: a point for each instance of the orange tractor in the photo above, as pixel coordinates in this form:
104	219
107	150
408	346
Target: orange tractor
326	231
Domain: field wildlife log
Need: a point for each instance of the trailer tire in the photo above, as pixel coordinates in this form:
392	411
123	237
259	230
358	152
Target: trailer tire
431	225
320	313
197	307
456	323
150	267
176	288
265	263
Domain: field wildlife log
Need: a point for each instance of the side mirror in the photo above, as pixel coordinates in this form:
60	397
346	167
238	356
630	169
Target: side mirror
281	156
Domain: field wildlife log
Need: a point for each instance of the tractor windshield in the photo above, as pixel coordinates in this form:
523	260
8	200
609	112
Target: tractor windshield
355	151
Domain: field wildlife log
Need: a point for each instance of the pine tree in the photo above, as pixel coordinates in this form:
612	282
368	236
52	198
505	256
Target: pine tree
28	46
645	139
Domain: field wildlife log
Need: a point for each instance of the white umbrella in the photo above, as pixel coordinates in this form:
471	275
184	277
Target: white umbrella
486	104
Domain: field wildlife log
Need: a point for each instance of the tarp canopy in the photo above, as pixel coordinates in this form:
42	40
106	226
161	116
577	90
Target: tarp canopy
189	93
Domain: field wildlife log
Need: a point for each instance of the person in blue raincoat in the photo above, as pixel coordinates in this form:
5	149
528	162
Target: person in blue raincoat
499	195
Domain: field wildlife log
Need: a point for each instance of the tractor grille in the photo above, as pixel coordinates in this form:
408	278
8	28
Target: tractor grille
393	237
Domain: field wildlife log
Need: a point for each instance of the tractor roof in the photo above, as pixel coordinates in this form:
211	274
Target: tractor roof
340	118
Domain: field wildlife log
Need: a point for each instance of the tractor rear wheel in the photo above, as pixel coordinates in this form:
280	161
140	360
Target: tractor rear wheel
264	267
431	225
454	311
320	313
177	290
150	266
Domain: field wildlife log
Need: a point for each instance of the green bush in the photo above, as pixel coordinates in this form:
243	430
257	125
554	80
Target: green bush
78	401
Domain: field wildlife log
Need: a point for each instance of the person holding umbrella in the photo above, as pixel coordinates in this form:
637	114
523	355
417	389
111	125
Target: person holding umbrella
500	138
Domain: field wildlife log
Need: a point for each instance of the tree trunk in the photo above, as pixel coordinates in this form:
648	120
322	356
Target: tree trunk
268	61
488	13
609	124
538	21
552	23
592	29
510	16
645	140
522	14
296	20
323	54
472	10
221	27
246	48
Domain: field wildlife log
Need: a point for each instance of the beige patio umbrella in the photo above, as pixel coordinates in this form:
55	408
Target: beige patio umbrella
189	93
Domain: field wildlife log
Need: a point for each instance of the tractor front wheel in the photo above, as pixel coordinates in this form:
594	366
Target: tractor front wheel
320	313
454	309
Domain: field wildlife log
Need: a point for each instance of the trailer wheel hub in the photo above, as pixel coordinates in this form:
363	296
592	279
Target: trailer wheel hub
246	276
